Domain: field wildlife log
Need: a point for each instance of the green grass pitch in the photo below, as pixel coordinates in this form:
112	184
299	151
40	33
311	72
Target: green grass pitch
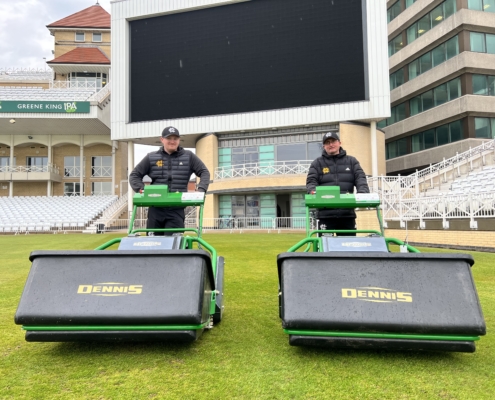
247	356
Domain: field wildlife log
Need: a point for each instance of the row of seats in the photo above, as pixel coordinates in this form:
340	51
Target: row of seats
476	182
24	214
48	94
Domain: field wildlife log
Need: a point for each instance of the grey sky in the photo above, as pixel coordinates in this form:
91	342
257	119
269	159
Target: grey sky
24	38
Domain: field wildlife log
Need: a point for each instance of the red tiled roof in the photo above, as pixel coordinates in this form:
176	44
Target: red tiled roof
82	55
91	17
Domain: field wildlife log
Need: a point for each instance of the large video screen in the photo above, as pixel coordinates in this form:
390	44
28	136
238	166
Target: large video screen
243	57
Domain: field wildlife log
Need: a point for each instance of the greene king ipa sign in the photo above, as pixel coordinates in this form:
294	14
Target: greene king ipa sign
44	107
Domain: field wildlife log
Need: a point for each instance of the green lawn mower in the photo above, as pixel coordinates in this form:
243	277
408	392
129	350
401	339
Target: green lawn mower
152	288
352	292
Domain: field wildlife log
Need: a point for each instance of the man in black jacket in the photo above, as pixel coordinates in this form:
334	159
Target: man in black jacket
172	165
336	168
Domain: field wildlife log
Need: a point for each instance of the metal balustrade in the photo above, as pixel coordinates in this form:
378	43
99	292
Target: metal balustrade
263	168
25	74
102	171
30	168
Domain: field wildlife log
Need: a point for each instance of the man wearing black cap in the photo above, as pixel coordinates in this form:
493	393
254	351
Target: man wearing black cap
335	168
172	165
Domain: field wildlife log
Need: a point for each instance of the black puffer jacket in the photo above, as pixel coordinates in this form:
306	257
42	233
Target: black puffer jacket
173	170
339	170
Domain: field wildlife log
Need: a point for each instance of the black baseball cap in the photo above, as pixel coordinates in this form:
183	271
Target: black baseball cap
331	135
169	131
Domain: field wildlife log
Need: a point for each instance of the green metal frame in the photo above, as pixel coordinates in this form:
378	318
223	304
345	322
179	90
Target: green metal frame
117	328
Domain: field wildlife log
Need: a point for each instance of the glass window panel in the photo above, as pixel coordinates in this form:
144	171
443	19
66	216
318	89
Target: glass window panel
238	150
427	100
424	25
267	149
224	151
237	159
224	159
314	150
392	150
397	43
79	36
291	152
401	147
425	62
429	138
477	42
490	43
454	88
393	11
438	55
415	106
449	8
440	94
492	123
482	127
414	70
410	3
381	124
238	206
475	5
452	47
455	131
491	85
412	33
489	6
417	142
479	85
437	15
400	112
442	135
252	206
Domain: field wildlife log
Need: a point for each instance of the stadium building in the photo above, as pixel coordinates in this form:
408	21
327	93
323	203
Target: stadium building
55	123
442	80
252	86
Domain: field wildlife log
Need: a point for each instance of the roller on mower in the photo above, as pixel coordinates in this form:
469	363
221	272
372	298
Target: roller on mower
351	292
152	288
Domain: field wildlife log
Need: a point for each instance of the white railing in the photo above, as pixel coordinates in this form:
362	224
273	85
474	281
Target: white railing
252	223
260	169
25	74
102	94
30	168
75	85
101	172
74	172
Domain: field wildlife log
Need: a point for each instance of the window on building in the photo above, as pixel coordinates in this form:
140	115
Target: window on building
79	36
72	168
393	11
90	80
36	163
409	3
397	113
430	20
438	136
484	128
96	37
101	166
101	188
72	189
435	97
437	56
395	45
482	5
397	79
482	42
5	161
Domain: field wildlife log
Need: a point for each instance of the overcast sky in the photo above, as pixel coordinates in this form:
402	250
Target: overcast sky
25	39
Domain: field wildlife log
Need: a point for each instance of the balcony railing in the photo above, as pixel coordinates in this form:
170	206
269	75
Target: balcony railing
30	168
263	168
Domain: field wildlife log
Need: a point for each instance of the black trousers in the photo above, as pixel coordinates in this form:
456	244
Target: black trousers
162	218
338	224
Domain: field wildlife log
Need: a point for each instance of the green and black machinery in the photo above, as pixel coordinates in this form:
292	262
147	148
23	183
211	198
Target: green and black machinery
352	292
161	288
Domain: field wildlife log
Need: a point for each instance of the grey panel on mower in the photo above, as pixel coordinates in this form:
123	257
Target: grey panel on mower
164	287
379	292
352	243
150	243
384	344
113	336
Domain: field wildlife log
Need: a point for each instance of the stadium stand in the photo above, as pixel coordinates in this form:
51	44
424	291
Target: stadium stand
25	93
45	214
476	182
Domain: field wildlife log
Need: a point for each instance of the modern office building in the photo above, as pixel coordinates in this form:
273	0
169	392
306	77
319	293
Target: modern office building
442	80
252	86
55	123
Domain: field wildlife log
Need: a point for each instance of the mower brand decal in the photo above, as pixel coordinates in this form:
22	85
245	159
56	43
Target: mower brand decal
159	163
377	295
326	170
110	289
327	196
147	244
356	244
154	195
